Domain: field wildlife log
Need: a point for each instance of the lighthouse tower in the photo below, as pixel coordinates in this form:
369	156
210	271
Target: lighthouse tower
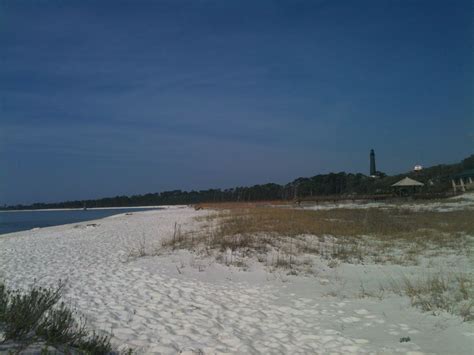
373	171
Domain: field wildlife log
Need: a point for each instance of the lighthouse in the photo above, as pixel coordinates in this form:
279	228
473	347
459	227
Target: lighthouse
373	171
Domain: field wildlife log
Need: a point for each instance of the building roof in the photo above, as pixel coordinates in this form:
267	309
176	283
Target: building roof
408	182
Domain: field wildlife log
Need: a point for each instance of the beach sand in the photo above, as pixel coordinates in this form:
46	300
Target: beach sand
176	302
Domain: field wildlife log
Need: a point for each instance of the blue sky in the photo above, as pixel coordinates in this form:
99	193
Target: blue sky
100	98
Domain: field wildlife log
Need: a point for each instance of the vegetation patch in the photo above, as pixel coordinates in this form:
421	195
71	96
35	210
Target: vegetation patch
396	236
385	224
38	316
453	293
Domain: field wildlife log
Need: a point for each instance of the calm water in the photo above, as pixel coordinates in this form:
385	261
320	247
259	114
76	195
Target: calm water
19	221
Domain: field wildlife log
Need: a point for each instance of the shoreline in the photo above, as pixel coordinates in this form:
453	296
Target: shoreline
88	209
33	220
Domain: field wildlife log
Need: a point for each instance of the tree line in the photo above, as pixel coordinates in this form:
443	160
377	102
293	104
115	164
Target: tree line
436	179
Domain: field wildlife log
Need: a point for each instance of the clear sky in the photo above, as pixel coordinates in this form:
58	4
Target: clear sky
101	98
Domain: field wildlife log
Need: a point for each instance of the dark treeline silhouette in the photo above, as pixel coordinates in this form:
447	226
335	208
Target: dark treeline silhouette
436	179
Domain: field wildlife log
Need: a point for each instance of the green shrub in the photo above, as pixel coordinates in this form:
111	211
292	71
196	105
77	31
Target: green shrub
28	317
23	311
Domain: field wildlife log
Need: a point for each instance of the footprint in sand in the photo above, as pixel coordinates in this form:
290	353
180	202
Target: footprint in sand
350	320
397	329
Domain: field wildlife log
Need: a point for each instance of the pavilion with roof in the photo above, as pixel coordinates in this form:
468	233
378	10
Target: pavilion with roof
407	186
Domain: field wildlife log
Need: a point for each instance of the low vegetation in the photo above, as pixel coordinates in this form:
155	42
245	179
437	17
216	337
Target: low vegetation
385	224
38	316
453	293
349	235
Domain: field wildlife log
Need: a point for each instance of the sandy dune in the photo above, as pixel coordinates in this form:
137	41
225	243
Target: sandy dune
175	303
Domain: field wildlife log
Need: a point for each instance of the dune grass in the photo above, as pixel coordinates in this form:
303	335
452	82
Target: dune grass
37	315
350	235
384	224
453	293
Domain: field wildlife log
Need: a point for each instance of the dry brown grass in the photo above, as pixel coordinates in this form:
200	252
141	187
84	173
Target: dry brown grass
240	205
394	223
351	235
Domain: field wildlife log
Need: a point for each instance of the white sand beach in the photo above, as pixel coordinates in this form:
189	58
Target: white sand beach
177	302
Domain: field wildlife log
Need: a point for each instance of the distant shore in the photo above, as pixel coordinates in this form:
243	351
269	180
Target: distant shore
81	209
22	220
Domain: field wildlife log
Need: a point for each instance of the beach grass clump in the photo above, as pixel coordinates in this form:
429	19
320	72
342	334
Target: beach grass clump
21	313
37	316
453	293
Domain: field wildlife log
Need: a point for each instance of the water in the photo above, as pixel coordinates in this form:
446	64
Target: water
24	220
